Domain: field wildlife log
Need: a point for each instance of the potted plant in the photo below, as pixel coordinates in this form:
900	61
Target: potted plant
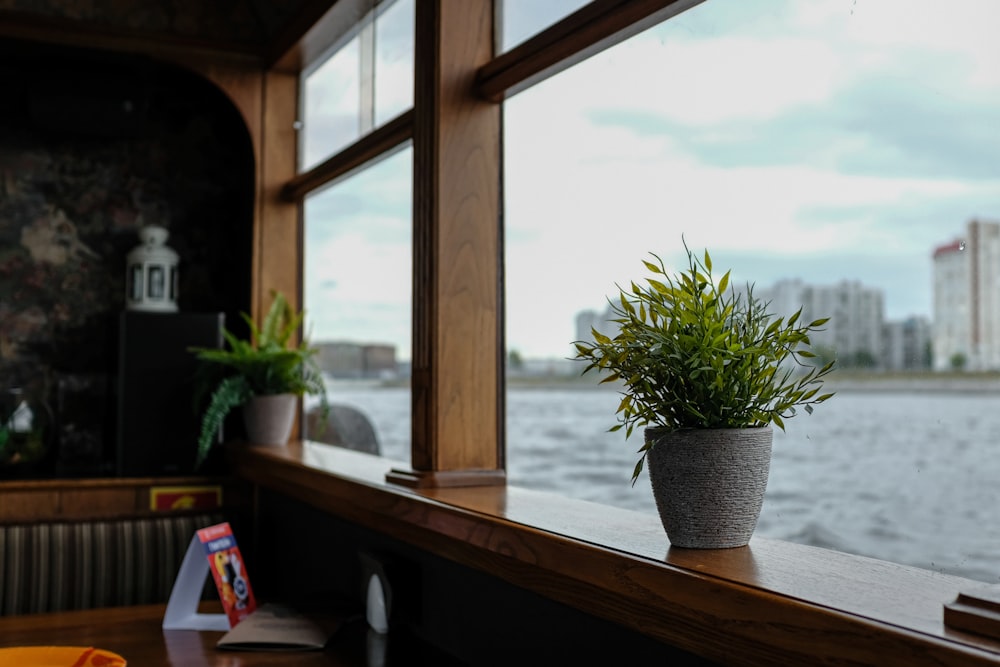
706	370
264	375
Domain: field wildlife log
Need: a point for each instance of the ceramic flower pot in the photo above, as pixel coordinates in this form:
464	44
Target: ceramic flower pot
709	483
269	419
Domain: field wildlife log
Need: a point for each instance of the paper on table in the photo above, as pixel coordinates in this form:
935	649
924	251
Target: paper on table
274	627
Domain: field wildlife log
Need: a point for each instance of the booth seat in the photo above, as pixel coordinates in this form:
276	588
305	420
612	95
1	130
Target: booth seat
57	566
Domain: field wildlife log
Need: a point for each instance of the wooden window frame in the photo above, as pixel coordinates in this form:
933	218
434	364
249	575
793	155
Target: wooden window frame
458	382
770	603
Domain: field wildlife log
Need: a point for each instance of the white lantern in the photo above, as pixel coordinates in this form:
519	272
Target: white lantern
151	281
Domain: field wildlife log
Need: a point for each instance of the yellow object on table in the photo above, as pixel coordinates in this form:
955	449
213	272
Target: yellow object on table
59	656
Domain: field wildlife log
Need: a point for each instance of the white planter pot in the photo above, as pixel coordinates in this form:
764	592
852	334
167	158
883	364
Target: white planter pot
709	483
269	419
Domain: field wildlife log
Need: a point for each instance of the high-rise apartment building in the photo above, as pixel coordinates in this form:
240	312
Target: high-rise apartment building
966	330
857	317
907	344
587	319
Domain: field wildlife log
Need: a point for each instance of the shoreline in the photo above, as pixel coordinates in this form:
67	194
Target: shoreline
845	382
853	382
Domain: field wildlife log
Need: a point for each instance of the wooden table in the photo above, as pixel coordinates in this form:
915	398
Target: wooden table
136	634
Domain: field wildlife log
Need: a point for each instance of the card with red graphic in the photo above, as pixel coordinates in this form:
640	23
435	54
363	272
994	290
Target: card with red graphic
228	571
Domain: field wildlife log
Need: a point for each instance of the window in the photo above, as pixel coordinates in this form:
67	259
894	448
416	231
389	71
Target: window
492	509
357	236
358	266
521	19
824	151
365	82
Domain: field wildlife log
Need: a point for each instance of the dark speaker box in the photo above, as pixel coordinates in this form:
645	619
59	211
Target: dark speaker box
158	423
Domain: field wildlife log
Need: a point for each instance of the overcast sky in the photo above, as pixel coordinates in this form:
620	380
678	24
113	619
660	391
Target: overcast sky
826	140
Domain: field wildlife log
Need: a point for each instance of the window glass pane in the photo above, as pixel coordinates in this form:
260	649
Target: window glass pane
521	19
360	86
331	102
394	61
357	292
833	153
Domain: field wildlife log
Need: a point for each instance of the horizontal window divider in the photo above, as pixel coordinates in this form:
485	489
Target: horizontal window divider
772	602
589	30
377	144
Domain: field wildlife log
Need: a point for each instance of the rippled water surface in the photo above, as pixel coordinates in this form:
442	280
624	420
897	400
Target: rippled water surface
908	477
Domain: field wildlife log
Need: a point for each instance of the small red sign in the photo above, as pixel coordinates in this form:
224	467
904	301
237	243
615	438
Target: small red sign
175	498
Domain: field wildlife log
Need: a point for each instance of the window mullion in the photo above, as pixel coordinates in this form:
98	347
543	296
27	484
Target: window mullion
457	326
366	73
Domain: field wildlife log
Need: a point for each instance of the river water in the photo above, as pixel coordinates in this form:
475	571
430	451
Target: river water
906	476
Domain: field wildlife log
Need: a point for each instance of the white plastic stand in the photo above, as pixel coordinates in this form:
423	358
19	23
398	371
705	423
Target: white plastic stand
182	608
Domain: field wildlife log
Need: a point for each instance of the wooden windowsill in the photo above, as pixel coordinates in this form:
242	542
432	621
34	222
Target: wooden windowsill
769	603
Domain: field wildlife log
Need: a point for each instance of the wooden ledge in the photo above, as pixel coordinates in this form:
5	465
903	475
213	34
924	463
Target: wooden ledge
448	478
769	603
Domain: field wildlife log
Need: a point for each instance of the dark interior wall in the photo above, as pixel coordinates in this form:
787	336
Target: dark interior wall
92	146
301	553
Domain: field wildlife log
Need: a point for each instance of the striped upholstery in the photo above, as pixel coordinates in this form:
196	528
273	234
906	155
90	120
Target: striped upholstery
58	566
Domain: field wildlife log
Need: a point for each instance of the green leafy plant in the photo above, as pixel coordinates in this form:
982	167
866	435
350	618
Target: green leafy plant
264	365
694	354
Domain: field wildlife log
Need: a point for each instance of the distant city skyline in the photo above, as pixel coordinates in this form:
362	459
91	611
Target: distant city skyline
779	291
858	333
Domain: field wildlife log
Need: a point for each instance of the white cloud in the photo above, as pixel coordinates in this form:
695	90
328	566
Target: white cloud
667	134
586	200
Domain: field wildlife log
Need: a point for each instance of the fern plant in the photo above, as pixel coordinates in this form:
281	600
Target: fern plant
693	354
265	365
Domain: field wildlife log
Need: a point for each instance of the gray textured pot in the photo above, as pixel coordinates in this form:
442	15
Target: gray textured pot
269	419
709	483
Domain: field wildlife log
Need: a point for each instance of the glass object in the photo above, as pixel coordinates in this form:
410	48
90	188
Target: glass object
823	151
362	84
331	103
393	60
358	288
522	19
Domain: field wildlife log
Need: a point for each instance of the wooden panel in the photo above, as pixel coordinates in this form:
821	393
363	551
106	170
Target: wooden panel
92	499
71	32
456	298
104	502
24	506
767	604
242	85
278	235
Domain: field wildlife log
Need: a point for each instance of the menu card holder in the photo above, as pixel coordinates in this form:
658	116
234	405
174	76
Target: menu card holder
214	550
